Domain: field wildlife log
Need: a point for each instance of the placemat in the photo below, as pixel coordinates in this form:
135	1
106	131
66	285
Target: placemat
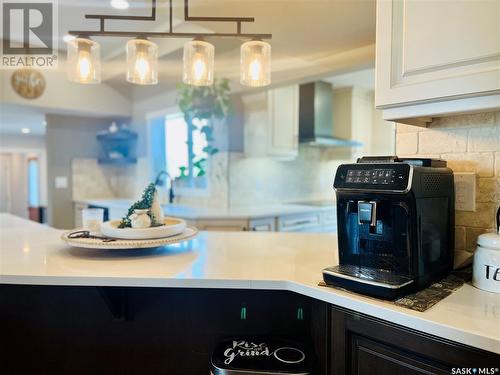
425	299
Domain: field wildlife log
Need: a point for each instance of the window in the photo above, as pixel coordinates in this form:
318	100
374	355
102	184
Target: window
184	151
33	183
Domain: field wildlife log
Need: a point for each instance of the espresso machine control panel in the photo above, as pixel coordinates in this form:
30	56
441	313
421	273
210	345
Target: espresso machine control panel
386	177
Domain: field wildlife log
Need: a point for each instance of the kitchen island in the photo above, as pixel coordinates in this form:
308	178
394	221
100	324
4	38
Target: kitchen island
237	266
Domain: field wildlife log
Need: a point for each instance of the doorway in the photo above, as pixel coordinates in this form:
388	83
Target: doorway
22	185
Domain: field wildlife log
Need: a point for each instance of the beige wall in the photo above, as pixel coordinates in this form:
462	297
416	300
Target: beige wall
63	96
470	143
68	137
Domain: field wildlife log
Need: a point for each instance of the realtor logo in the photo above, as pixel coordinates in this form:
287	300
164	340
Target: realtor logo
29	34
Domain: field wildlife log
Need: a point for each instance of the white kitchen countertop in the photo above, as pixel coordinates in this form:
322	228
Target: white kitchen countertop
200	213
31	253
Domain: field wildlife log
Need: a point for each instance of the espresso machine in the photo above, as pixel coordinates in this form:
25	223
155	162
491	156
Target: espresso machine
395	221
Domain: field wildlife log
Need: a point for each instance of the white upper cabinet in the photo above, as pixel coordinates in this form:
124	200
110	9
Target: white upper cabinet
436	58
283	120
271	123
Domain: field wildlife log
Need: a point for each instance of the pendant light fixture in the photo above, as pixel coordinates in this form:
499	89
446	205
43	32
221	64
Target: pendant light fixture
142	54
198	63
84	61
255	63
142	62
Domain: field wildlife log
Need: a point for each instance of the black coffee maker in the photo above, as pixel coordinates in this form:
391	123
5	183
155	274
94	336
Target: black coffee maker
395	222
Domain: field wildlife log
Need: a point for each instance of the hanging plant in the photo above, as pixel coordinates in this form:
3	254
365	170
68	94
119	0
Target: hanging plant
205	103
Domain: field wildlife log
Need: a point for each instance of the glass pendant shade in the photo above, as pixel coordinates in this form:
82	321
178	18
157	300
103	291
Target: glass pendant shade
255	63
198	62
84	61
142	62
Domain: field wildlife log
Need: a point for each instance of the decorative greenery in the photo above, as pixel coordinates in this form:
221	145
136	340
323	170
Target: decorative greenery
204	103
199	164
144	203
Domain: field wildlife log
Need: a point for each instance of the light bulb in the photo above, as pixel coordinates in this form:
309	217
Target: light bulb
255	68
198	60
199	67
84	65
142	62
142	67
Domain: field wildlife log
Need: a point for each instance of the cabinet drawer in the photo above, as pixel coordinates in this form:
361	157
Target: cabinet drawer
330	217
300	223
222	225
263	225
329	221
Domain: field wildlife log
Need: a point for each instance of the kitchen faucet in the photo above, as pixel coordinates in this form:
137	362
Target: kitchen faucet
160	182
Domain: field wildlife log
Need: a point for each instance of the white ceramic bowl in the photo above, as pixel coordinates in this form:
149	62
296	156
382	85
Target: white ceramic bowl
172	227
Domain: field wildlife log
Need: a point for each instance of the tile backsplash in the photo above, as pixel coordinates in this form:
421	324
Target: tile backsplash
92	180
265	181
96	181
469	143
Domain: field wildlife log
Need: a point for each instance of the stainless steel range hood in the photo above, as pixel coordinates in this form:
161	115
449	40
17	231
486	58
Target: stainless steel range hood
316	127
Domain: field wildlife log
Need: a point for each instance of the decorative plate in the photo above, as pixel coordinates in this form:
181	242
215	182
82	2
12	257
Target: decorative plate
28	83
116	244
172	227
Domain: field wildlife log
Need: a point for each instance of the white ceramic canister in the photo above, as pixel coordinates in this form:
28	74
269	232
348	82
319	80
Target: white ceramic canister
486	269
140	219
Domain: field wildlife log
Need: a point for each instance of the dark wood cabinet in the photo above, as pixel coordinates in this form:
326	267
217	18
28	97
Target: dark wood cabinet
127	331
365	345
114	330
